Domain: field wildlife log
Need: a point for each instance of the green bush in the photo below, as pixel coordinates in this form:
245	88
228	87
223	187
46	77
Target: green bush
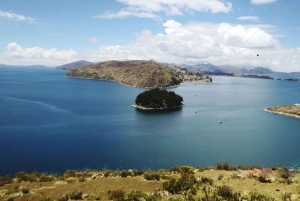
225	191
76	195
25	190
206	180
151	176
136	196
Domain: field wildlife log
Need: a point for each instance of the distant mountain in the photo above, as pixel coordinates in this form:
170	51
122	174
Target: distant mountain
31	66
260	70
74	65
226	69
147	74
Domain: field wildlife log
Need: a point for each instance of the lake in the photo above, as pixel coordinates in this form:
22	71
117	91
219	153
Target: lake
51	123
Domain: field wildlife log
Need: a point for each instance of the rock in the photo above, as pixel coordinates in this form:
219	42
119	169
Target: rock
60	183
3	192
95	176
85	196
294	197
246	193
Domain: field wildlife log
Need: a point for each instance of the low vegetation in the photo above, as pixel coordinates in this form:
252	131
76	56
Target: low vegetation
223	182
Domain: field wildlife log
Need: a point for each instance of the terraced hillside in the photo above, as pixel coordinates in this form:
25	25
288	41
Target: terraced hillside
147	74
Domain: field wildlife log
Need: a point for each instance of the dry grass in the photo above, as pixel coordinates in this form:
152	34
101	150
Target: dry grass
97	186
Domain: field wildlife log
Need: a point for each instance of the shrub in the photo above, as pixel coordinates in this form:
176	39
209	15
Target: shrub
23	176
25	190
225	191
260	197
136	196
76	195
5	180
206	180
223	166
284	173
69	173
124	173
137	172
220	177
116	195
151	176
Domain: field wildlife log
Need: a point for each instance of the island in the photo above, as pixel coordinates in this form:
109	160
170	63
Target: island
289	110
157	99
139	73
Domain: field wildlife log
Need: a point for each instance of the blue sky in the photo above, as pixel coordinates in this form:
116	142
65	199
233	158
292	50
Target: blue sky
56	32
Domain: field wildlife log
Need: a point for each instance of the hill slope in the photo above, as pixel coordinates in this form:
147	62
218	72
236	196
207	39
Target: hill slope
148	74
74	65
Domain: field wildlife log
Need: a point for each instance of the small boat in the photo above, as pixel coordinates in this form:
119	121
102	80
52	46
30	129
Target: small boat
220	121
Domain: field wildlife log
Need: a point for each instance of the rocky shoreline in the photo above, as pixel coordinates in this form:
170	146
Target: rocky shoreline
145	108
288	110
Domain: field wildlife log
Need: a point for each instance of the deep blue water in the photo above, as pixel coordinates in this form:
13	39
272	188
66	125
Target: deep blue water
51	123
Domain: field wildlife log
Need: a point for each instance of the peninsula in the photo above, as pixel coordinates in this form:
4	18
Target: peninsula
289	110
146	74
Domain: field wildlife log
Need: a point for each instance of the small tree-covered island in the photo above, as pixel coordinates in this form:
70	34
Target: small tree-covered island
158	99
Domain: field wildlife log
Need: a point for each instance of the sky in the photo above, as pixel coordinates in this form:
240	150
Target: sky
243	33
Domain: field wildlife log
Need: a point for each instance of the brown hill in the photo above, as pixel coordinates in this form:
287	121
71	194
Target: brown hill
147	74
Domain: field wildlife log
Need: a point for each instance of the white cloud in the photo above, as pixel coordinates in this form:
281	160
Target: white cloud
128	13
150	9
38	55
190	43
194	43
253	18
259	2
16	17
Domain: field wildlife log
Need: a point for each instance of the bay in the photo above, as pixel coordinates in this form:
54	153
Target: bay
52	123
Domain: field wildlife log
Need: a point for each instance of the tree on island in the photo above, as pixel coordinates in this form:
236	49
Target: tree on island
158	98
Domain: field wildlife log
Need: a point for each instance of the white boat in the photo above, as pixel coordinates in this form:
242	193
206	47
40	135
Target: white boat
220	121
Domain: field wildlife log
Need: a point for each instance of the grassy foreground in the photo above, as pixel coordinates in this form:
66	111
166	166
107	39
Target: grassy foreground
223	182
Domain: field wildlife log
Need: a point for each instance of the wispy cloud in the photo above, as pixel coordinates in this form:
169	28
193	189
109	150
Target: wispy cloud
259	2
128	13
152	9
94	40
11	16
253	18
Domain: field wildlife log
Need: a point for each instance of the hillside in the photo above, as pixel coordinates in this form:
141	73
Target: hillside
147	74
74	65
224	182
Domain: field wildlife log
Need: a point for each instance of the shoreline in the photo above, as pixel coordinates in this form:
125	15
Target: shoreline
173	86
281	113
145	108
